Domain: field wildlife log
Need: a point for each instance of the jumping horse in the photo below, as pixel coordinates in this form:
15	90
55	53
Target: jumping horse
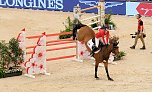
101	52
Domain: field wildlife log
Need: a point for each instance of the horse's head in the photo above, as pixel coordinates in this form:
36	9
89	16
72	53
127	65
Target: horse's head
115	48
114	42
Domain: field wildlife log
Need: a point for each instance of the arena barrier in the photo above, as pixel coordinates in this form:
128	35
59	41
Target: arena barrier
98	18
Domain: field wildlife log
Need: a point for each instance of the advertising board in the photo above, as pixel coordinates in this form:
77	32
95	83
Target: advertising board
115	8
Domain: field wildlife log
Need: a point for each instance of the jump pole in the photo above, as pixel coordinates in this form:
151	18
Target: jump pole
100	8
100	20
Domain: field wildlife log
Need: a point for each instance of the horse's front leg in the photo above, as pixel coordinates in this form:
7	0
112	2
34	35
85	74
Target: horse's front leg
106	68
96	61
96	69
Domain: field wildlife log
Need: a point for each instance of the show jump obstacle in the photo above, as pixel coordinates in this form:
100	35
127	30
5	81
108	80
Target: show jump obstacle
36	64
97	18
82	52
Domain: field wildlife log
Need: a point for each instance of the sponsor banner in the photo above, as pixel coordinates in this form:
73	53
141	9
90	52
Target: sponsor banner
115	0
131	8
120	8
115	8
89	3
58	5
33	4
68	5
145	9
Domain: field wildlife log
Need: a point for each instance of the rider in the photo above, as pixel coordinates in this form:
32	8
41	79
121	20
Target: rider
103	32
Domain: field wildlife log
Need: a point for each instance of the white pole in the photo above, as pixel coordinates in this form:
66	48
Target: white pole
77	52
99	12
102	10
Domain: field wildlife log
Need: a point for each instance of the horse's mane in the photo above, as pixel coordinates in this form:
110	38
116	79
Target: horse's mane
113	39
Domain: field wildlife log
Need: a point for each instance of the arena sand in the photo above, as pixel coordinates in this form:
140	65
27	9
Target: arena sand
132	74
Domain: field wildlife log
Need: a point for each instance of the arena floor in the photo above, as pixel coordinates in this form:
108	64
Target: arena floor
132	74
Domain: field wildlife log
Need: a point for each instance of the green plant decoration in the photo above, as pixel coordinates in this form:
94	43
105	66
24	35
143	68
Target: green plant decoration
68	28
11	56
1	73
108	21
120	56
5	55
16	52
10	53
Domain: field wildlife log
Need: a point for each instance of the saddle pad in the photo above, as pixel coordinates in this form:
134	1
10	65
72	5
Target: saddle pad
90	43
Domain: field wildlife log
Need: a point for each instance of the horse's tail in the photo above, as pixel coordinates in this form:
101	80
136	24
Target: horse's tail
75	28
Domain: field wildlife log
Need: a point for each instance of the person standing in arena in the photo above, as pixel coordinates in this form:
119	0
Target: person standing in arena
139	33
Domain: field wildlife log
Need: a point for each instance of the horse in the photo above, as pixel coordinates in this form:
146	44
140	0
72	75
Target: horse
85	34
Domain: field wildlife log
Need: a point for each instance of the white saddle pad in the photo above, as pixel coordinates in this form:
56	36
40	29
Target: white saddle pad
90	43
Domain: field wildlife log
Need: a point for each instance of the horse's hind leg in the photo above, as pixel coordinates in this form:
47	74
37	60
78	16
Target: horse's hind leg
96	69
74	32
106	68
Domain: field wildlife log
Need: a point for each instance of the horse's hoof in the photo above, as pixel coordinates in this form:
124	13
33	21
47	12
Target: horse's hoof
110	79
96	77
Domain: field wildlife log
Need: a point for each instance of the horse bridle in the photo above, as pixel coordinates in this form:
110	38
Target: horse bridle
115	46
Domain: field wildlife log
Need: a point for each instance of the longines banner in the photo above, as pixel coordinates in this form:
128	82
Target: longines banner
61	5
122	8
37	4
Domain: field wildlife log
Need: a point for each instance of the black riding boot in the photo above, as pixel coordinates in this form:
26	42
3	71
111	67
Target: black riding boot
94	49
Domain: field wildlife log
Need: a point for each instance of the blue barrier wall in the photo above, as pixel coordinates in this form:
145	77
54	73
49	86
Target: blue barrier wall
115	8
120	8
89	3
58	5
